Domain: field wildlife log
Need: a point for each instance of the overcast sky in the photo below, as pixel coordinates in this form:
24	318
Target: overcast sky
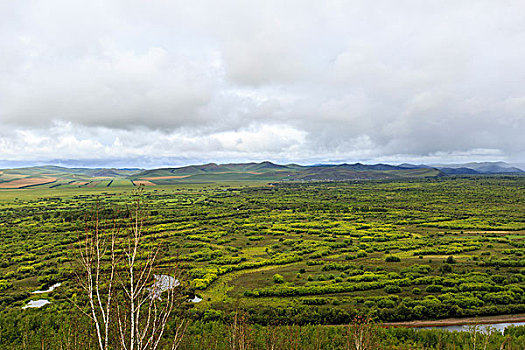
157	82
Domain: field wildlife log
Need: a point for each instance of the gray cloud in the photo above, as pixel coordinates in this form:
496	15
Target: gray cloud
295	80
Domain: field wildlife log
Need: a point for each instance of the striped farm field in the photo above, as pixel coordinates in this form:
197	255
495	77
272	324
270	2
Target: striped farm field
121	182
9	177
164	177
79	183
26	182
143	182
103	183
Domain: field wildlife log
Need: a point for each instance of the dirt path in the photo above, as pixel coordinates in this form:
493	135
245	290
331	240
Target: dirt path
459	321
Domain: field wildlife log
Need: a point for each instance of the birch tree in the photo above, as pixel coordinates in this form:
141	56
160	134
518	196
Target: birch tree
129	300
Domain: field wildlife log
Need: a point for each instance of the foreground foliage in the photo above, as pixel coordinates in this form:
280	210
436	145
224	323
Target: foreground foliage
56	329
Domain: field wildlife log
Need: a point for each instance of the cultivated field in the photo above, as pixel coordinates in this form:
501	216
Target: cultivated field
26	182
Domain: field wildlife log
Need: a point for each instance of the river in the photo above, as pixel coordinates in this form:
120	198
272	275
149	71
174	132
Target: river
487	327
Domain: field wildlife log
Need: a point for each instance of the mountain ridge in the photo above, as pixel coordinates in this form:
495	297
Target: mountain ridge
252	171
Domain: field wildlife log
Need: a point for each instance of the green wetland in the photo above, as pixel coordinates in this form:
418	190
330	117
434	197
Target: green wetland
297	259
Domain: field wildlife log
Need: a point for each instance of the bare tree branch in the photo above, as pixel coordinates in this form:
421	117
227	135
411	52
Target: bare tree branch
123	296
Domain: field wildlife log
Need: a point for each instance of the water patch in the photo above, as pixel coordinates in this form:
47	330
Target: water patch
50	289
37	303
195	299
483	328
162	284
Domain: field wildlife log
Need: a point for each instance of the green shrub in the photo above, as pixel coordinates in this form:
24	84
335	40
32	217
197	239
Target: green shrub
362	254
434	288
445	268
5	285
392	258
278	278
392	288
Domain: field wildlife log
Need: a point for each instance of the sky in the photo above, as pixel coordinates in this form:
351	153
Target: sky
167	83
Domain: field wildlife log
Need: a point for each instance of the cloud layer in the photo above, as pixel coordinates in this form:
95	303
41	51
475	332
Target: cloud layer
304	81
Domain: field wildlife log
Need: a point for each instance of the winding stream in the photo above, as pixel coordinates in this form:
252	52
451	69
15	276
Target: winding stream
50	289
36	303
195	299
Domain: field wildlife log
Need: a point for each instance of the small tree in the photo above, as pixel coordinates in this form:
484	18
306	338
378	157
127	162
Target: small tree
128	305
361	334
239	331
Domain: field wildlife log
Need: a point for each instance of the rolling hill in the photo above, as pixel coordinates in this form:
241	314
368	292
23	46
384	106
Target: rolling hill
61	177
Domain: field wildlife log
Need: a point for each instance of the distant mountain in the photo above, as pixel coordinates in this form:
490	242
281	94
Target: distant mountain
276	172
413	166
62	177
268	166
365	167
481	168
459	171
359	172
493	167
107	173
368	167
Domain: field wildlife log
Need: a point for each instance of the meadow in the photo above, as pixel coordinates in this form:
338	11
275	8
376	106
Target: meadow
291	253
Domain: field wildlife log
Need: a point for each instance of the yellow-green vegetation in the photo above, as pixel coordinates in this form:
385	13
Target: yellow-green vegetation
300	253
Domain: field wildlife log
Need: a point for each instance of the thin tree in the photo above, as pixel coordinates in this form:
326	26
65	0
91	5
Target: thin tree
240	335
129	306
361	334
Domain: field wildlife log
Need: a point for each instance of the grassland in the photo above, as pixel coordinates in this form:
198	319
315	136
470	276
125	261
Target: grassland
398	249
